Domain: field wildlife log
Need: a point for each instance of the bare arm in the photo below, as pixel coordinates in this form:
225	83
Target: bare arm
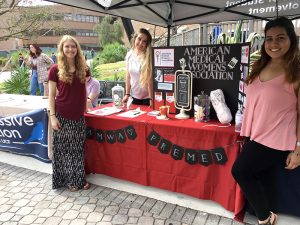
127	86
48	60
92	96
28	61
298	121
150	91
293	159
52	93
90	99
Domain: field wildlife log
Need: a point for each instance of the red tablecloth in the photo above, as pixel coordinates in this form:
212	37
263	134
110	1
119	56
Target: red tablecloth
138	161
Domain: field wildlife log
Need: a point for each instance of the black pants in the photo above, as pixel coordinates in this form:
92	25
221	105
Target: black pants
252	169
145	101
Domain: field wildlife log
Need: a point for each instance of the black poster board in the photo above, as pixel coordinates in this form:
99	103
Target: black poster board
213	67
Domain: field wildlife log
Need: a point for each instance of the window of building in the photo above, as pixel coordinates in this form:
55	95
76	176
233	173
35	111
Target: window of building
79	18
67	17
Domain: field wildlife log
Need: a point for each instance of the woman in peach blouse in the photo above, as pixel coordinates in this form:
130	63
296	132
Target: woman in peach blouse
271	119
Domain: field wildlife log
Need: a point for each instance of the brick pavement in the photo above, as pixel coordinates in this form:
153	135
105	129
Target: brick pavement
26	197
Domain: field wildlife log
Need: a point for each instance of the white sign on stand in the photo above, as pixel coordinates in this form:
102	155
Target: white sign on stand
183	90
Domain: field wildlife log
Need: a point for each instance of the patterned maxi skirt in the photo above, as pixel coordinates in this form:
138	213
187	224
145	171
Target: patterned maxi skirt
68	154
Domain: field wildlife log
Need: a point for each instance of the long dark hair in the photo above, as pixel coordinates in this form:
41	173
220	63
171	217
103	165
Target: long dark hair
291	58
38	50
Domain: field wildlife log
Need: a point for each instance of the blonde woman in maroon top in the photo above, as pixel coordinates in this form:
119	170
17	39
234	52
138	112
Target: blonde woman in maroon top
271	120
67	103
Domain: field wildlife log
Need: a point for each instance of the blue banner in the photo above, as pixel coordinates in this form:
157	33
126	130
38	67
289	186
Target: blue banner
26	134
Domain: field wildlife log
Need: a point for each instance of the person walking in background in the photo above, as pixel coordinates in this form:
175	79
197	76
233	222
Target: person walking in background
53	57
92	52
271	119
39	64
92	90
67	109
21	59
139	69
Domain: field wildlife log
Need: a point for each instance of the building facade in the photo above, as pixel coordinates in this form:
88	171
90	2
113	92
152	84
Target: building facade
66	20
79	23
69	20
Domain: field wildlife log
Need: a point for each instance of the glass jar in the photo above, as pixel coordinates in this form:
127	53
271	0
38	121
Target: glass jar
202	108
117	95
198	112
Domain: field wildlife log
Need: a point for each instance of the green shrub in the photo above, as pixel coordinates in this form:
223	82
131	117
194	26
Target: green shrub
227	39
19	82
112	53
3	61
1	88
93	68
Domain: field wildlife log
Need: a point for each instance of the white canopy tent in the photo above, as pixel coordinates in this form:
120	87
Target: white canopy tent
168	13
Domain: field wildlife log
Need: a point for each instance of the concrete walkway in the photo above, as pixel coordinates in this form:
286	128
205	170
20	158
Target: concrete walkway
26	197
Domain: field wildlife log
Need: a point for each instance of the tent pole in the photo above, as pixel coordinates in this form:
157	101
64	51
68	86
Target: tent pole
169	36
128	27
277	8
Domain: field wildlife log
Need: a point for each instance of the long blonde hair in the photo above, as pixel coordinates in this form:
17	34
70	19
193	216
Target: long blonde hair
63	65
146	70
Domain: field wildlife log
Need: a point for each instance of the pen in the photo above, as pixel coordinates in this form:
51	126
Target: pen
136	113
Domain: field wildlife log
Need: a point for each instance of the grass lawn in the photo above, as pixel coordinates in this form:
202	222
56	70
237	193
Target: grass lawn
111	71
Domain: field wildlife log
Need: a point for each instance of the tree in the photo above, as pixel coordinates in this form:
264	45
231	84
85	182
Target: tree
110	31
113	52
18	21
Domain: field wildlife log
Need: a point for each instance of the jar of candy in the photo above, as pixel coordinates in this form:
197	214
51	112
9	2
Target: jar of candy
202	108
117	95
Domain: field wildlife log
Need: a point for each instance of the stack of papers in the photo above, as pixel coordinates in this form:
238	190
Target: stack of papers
105	111
153	113
131	113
